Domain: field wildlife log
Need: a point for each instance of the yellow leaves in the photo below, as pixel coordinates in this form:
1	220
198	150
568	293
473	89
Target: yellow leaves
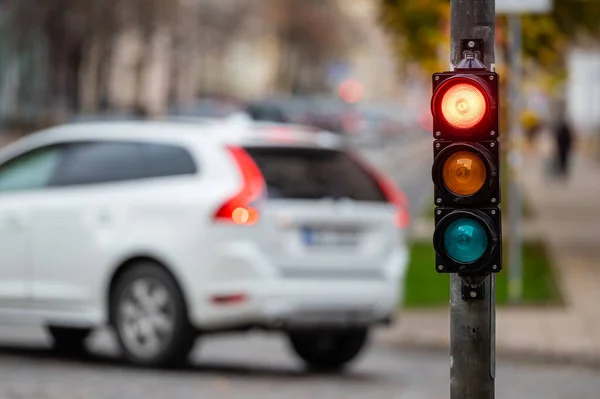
529	118
418	27
544	42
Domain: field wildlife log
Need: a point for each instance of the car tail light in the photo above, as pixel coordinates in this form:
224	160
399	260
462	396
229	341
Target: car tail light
238	209
391	192
396	197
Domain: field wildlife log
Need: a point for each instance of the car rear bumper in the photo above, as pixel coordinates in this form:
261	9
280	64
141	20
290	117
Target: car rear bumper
298	304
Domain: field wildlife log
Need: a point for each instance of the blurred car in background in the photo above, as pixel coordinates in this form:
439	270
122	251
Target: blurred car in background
270	111
210	107
333	114
380	123
326	113
373	127
167	230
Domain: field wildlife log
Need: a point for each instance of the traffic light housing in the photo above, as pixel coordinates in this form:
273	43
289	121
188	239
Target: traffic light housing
468	241
475	116
466	174
466	171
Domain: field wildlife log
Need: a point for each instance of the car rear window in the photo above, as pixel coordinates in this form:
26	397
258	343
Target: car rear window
297	173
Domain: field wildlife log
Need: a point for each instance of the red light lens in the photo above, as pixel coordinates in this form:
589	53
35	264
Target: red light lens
463	106
237	209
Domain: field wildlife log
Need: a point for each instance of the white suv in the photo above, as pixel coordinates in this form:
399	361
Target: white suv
167	230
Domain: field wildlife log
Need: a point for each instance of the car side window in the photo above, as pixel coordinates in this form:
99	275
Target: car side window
99	162
167	160
113	161
31	170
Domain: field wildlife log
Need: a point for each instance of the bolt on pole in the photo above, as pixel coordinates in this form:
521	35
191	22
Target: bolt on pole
472	323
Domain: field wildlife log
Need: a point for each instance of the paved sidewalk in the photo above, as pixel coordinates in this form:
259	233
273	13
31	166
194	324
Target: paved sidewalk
567	217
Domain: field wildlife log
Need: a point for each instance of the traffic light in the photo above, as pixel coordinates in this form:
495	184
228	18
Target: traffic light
465	173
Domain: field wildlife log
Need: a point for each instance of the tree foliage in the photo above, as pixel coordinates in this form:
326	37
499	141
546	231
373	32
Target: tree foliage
417	28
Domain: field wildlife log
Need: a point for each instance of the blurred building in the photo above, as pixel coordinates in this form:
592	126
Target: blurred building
372	61
583	92
234	47
247	67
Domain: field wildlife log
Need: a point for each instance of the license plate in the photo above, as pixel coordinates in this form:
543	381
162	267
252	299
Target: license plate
329	237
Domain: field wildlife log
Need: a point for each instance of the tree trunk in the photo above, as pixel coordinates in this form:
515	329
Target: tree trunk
104	72
141	69
88	77
74	64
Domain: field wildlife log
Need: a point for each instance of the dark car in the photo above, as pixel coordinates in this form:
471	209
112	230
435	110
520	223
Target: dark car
209	107
270	111
327	113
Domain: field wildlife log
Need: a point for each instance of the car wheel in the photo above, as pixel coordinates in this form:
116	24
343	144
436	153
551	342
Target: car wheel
150	317
328	350
68	340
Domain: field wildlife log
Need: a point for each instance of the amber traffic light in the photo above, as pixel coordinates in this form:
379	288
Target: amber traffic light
464	173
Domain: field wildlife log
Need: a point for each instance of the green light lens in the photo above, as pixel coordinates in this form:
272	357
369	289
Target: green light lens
465	240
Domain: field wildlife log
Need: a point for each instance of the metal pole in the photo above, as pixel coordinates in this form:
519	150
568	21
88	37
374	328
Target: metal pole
515	272
472	323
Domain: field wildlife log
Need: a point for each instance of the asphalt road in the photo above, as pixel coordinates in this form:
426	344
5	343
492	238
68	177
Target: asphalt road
258	366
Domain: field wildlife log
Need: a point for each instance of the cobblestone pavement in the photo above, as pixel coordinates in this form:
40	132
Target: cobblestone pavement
258	366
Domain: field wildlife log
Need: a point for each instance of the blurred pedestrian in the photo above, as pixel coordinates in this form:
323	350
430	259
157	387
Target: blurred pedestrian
564	144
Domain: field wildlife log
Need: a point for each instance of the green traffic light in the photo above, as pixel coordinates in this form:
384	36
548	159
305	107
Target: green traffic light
465	240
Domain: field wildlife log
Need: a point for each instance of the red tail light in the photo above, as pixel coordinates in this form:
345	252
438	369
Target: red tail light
391	192
238	209
396	197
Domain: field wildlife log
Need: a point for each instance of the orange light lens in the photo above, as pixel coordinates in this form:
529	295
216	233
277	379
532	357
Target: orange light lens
464	173
463	106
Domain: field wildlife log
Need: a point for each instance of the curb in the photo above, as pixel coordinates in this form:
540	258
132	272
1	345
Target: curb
507	354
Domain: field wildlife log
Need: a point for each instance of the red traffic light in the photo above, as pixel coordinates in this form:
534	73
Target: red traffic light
463	105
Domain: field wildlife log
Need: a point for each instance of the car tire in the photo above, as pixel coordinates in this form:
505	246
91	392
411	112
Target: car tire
149	315
329	351
69	340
